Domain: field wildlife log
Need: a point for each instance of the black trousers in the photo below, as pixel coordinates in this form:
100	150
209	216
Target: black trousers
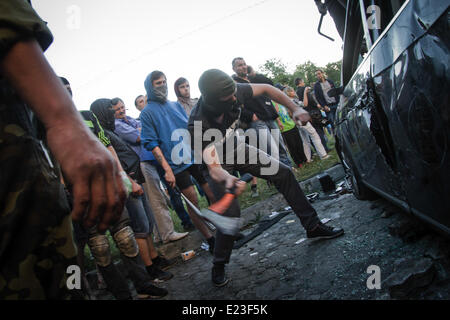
261	165
294	144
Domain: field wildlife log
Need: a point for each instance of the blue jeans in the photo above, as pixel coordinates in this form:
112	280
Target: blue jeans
331	115
141	216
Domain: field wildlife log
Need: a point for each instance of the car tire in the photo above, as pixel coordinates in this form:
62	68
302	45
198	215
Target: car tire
359	189
353	179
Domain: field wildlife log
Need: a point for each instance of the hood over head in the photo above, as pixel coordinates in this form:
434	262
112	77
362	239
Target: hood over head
102	108
155	94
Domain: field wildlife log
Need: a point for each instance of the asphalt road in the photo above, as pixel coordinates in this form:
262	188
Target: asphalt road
407	260
384	254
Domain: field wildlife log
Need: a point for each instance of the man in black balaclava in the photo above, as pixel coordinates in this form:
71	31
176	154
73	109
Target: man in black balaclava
219	108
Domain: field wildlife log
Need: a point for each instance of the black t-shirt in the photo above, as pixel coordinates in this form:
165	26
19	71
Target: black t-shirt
300	91
243	92
261	106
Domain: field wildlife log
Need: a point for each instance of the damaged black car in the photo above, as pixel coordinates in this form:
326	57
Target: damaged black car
392	124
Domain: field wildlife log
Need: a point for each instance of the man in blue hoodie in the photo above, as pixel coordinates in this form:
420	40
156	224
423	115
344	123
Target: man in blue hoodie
160	119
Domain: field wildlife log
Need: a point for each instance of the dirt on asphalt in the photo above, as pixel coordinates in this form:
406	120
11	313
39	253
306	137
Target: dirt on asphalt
384	254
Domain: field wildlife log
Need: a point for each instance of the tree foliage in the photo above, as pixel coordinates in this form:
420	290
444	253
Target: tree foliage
276	70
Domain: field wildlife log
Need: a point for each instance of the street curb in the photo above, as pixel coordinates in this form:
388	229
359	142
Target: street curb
252	214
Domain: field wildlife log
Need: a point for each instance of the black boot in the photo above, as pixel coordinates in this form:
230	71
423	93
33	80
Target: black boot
218	275
151	292
158	275
116	282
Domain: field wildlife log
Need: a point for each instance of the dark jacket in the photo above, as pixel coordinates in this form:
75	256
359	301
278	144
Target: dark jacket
300	93
261	106
319	93
128	158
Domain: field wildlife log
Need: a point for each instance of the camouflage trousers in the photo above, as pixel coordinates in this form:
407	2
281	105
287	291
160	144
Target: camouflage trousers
36	243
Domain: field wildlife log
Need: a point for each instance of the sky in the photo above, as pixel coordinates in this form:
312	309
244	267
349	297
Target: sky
106	48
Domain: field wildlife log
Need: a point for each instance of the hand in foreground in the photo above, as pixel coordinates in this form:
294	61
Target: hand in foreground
98	191
301	116
222	176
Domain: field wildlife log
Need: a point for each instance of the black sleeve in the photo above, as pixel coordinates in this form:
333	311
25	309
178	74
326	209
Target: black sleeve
244	93
247	115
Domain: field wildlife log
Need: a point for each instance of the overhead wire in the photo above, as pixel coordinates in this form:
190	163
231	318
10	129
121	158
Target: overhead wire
172	41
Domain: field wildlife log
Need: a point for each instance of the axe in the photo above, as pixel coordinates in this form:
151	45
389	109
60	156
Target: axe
214	213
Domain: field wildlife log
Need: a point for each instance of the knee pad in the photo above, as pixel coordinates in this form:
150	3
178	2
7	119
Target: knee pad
99	246
126	242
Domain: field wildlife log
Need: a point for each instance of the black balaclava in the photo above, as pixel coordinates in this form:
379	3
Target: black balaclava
103	110
215	84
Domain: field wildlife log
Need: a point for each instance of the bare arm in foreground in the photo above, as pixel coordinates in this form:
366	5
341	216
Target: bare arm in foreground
99	194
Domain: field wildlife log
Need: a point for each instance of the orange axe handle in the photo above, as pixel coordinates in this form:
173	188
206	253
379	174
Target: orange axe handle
225	202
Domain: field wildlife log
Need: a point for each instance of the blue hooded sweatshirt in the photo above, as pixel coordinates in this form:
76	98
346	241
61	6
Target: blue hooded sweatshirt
159	121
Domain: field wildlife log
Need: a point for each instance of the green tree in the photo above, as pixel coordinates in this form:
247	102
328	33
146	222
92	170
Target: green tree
306	71
276	70
333	71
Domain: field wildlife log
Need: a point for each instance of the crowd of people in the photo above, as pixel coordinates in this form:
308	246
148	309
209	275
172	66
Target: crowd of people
113	172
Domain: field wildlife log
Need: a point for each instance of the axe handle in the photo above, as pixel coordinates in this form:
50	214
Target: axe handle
225	202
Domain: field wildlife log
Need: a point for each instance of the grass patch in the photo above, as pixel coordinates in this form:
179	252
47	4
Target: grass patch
308	170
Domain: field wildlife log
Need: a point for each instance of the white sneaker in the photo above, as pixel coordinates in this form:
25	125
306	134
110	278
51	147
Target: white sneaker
326	157
176	236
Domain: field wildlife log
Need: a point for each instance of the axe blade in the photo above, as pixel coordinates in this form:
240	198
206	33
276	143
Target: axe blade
227	225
